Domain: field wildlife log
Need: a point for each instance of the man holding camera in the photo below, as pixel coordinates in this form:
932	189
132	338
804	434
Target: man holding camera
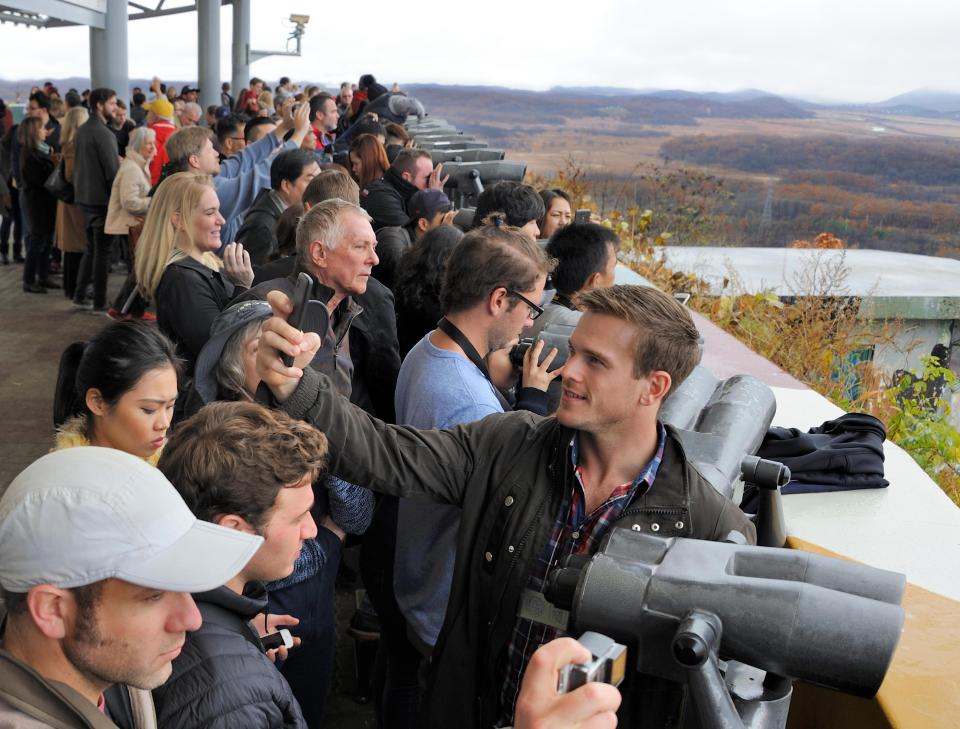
386	199
444	382
532	490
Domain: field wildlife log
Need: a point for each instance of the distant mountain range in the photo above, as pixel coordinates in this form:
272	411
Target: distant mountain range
646	106
484	109
919	102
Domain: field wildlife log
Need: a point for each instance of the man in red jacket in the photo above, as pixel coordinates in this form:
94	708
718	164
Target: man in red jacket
160	120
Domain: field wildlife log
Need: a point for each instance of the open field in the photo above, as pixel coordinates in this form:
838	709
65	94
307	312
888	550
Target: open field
605	150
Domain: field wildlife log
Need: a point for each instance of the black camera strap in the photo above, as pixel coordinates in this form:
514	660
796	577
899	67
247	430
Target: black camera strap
451	330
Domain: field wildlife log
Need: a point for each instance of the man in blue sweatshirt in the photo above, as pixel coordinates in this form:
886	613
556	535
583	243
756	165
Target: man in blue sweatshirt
492	276
239	178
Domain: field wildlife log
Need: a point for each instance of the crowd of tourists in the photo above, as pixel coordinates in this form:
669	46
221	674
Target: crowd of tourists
212	460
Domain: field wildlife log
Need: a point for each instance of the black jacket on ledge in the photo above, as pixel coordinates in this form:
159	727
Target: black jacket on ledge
223	679
258	232
386	200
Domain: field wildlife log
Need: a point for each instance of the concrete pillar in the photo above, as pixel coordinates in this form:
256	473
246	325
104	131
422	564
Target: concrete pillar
241	46
108	51
208	52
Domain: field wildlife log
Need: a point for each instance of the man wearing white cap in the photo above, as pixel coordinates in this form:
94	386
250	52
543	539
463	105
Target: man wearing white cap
98	557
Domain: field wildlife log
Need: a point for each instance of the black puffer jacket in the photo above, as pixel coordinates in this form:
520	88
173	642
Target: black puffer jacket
223	680
385	200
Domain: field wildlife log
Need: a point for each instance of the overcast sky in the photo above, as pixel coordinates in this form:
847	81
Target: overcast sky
853	50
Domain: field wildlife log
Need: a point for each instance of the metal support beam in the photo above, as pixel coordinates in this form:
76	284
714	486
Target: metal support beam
208	51
241	44
59	11
108	51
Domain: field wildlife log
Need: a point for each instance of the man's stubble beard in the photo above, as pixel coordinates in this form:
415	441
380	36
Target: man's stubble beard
86	643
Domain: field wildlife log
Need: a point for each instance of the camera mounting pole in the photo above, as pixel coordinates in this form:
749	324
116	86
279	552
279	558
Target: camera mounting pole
296	35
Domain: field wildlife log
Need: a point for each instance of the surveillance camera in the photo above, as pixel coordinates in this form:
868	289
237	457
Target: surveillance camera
299	19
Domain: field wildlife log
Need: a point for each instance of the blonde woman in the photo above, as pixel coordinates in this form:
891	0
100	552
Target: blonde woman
176	265
265	104
129	201
71	236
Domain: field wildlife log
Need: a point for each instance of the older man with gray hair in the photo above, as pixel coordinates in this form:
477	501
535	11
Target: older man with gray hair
190	114
336	247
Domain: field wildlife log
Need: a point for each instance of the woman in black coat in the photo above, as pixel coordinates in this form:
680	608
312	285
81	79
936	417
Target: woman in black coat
37	161
176	265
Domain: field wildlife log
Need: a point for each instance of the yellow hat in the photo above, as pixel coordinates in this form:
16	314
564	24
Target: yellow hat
160	107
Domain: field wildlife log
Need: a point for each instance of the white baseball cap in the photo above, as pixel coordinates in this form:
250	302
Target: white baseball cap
81	515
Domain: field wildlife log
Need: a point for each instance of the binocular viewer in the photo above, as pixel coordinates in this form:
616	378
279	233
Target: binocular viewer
466	155
468	179
413	123
462	143
681	605
444	137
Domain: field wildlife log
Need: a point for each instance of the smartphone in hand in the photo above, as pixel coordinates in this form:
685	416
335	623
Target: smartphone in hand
281	638
301	300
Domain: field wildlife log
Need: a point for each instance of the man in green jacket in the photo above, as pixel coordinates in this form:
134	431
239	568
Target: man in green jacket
532	490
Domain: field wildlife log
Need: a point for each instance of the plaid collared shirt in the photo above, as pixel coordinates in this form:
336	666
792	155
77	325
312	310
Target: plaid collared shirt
574	532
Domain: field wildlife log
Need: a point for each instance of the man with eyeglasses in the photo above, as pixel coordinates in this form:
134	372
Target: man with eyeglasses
493	276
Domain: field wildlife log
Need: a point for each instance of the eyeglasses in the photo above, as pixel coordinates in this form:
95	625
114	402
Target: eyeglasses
535	311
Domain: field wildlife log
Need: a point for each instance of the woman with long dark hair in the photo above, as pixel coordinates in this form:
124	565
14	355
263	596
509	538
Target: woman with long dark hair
417	284
556	213
368	160
37	161
117	390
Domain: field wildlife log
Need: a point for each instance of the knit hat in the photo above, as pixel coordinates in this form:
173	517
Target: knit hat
160	107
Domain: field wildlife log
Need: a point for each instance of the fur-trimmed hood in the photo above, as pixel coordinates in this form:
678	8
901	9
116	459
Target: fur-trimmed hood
73	434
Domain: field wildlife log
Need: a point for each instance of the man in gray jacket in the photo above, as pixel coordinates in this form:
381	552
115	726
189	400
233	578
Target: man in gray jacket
95	166
239	178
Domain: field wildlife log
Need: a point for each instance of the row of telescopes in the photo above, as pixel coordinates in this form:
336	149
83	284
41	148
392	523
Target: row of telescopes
470	163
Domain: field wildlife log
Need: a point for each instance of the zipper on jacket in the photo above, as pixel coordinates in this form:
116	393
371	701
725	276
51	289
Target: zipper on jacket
665	510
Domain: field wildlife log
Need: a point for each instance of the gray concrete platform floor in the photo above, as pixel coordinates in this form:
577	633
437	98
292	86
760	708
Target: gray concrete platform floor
34	330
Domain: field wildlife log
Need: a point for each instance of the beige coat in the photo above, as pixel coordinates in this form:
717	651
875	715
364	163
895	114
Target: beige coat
30	701
129	197
71	235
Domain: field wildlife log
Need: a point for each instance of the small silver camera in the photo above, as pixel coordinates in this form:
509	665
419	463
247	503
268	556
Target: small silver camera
608	665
